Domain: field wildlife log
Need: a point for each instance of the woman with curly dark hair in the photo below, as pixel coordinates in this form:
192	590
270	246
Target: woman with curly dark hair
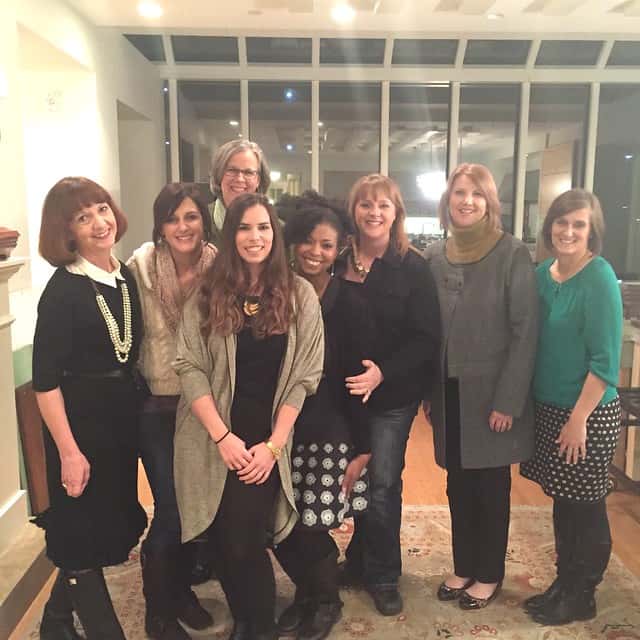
331	444
250	350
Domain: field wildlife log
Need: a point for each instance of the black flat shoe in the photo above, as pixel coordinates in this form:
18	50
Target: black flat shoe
470	603
294	616
446	593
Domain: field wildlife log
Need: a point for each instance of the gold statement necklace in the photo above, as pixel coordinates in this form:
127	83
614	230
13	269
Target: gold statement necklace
358	267
121	346
251	305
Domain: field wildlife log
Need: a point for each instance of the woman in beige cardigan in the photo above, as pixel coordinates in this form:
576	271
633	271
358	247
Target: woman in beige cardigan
250	349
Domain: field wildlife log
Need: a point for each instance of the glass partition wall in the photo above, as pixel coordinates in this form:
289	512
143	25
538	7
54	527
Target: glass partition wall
403	127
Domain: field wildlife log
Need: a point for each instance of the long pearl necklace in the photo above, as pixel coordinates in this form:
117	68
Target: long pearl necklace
121	346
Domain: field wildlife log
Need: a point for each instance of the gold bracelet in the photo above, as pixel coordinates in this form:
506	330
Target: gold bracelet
276	451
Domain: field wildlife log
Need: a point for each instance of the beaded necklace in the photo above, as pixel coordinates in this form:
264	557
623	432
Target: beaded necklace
121	346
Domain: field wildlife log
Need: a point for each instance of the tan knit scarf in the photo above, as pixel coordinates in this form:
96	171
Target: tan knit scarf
165	285
470	244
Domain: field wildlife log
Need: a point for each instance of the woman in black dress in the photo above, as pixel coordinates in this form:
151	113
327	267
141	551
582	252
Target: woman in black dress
331	444
84	349
249	351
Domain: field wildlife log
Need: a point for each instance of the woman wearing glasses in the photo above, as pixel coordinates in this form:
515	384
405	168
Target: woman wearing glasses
237	167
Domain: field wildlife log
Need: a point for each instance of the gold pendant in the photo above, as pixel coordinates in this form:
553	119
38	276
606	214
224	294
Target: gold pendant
250	308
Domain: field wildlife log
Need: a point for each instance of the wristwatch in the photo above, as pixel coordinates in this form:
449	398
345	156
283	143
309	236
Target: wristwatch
276	451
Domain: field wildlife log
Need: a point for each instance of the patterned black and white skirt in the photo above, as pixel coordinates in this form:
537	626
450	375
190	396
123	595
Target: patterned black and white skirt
587	480
317	472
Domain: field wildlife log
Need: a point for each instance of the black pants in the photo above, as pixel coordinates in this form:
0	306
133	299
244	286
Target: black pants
310	558
583	541
239	538
479	502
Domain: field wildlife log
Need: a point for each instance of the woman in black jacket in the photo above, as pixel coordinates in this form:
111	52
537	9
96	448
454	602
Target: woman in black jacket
331	446
401	293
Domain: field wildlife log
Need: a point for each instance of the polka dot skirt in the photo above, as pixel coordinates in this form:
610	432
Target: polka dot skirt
587	480
317	472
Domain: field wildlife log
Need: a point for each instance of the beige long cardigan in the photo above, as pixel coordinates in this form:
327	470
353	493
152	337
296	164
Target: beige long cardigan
209	367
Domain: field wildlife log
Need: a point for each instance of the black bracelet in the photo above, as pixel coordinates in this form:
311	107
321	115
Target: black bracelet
223	437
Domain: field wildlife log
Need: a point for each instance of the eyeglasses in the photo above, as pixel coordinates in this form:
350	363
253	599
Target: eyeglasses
248	174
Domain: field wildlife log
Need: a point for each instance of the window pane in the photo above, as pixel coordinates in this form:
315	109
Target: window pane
555	149
194	49
208	116
279	50
568	53
280	122
488	117
150	46
352	51
617	176
349	134
428	52
496	52
418	125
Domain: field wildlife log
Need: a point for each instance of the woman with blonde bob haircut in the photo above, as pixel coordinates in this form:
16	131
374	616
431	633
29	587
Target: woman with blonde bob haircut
480	405
399	288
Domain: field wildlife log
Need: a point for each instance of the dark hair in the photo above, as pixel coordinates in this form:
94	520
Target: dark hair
483	180
376	184
66	198
171	196
302	214
227	281
223	155
570	201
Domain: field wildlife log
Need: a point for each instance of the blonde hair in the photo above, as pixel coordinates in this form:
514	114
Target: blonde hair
484	182
376	184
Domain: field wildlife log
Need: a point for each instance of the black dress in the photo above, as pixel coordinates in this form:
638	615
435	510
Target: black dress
333	427
72	350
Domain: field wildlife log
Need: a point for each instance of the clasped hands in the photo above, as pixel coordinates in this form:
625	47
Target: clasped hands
252	465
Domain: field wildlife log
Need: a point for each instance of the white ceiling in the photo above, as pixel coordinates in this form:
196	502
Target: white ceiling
455	18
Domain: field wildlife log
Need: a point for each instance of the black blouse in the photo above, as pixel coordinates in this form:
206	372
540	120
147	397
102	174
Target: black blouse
333	414
71	334
403	298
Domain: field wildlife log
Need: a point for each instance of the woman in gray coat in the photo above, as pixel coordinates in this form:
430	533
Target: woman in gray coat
480	403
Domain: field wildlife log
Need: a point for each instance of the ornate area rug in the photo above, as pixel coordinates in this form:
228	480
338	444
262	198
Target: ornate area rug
426	560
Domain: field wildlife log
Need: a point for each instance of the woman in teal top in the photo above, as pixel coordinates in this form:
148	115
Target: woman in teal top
577	406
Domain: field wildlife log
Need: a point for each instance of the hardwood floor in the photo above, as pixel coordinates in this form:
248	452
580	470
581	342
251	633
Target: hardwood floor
424	483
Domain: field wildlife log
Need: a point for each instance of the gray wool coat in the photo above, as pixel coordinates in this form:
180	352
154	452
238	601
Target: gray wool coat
489	313
209	367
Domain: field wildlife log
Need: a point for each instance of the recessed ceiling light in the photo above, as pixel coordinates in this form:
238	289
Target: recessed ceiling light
290	95
321	124
150	10
234	123
167	142
289	146
495	16
165	89
343	13
628	156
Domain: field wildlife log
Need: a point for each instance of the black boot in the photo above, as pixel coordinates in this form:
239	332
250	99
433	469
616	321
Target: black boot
57	619
573	604
323	586
565	542
160	620
188	607
293	617
198	552
91	601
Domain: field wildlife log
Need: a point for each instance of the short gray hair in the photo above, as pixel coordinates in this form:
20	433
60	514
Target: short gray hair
221	158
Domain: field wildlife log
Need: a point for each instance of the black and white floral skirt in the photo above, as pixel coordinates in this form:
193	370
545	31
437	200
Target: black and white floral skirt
317	472
587	480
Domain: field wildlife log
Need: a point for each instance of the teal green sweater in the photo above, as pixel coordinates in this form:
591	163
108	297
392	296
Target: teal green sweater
580	331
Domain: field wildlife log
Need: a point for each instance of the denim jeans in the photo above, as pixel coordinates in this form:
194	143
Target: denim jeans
374	550
156	450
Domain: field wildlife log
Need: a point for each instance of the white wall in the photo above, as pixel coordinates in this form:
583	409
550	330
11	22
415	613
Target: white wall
61	118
